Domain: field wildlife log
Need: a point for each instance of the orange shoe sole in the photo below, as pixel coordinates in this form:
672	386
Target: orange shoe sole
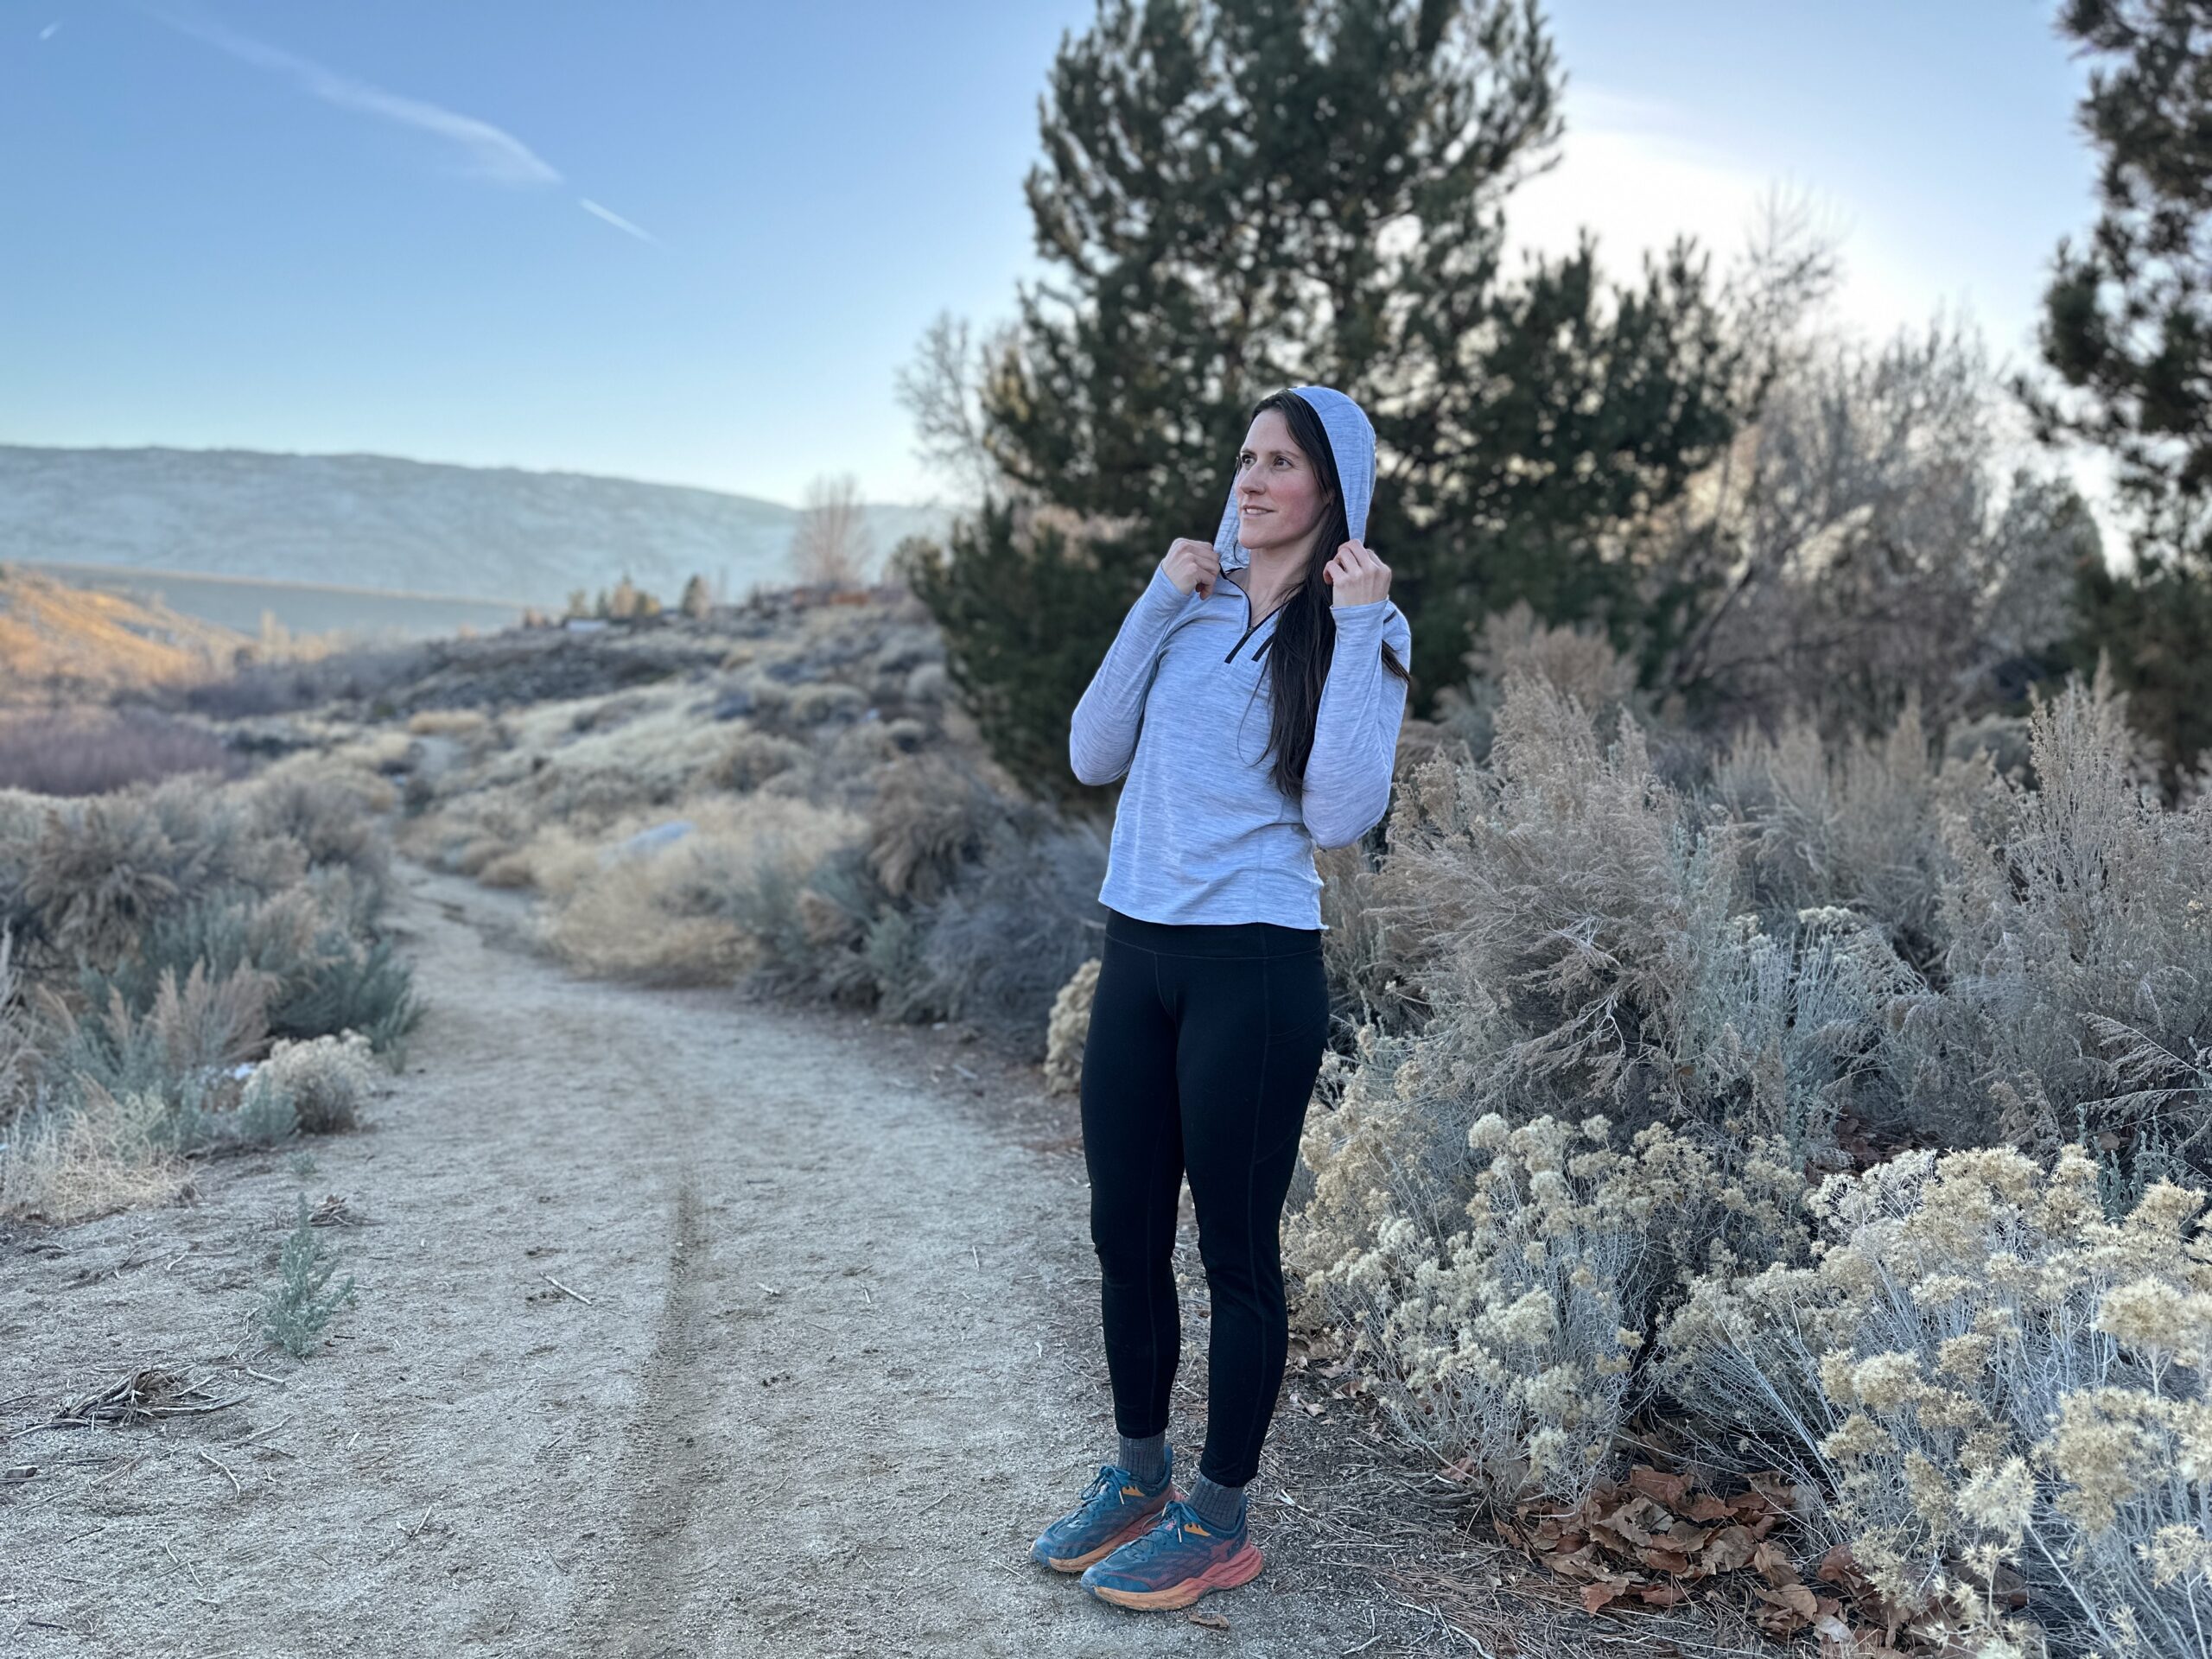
1241	1568
1136	1528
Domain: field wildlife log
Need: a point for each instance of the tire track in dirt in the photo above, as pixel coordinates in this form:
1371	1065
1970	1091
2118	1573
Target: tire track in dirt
652	1571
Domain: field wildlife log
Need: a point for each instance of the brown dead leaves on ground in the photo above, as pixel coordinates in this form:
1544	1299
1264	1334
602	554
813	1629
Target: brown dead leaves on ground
1330	1379
1653	1539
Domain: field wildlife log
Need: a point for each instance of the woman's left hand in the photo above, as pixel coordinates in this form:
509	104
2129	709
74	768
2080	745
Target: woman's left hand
1356	576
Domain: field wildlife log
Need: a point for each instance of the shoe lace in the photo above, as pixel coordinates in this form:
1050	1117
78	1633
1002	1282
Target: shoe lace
1167	1529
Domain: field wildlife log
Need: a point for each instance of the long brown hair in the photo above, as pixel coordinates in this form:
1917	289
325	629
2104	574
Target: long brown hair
1299	651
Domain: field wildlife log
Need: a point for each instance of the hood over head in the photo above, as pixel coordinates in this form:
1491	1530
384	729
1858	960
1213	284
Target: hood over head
1351	442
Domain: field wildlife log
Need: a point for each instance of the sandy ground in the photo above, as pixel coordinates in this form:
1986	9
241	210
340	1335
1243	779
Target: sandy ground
830	1362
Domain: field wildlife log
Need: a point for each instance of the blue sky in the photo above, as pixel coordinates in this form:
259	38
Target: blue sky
365	226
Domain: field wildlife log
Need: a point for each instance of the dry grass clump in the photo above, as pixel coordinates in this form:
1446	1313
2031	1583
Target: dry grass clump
2079	956
1578	662
688	911
623	927
100	1155
930	817
658	757
87	876
331	813
448	723
18	1052
157	939
1008	932
372	751
1069	1029
468	835
752	759
1856	825
318	1085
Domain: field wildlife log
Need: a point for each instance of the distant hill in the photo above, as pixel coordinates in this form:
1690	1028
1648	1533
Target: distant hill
56	640
364	614
398	526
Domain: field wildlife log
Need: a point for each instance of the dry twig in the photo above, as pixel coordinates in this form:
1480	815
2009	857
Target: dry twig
225	1468
142	1397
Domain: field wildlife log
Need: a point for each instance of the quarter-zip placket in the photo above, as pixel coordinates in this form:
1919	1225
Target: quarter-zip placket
1248	632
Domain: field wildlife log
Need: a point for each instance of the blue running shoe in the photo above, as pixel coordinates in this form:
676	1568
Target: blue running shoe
1117	1506
1176	1562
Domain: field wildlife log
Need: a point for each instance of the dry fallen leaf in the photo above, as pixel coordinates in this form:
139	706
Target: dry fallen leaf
1208	1620
1731	1547
1595	1596
1664	1489
1795	1597
1772	1565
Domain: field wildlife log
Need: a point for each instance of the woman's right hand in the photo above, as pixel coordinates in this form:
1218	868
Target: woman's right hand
1192	565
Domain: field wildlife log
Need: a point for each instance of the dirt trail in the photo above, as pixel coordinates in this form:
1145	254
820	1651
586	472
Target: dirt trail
838	1362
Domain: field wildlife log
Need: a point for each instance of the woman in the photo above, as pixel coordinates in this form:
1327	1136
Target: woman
1253	695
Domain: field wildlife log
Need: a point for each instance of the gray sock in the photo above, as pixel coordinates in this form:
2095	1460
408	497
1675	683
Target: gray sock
1147	1459
1218	1506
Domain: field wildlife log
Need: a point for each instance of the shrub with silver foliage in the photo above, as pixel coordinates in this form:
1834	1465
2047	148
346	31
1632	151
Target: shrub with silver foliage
1986	1373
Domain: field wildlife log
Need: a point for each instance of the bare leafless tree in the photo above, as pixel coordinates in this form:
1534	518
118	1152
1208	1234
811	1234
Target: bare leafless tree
1876	546
831	543
1783	277
942	390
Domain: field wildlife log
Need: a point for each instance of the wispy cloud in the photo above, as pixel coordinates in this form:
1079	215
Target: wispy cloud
50	30
616	220
490	152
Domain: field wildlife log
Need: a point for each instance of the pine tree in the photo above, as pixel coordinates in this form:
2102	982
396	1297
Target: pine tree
696	601
2127	330
1241	195
1019	607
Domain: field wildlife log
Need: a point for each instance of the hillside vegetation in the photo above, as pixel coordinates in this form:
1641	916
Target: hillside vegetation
58	642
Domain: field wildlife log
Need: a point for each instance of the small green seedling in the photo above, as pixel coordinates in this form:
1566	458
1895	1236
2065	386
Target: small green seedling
297	1307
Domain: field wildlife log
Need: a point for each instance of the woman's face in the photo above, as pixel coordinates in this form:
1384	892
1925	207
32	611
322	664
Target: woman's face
1279	498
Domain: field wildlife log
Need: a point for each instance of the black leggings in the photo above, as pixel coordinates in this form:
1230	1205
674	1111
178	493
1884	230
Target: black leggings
1205	1043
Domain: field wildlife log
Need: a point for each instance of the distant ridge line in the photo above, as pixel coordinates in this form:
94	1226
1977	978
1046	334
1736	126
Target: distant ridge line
349	590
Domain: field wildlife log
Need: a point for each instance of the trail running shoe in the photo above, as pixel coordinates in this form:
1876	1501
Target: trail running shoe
1117	1506
1174	1563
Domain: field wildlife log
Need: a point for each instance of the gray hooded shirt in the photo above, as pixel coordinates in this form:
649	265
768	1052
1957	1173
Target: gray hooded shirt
1182	703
